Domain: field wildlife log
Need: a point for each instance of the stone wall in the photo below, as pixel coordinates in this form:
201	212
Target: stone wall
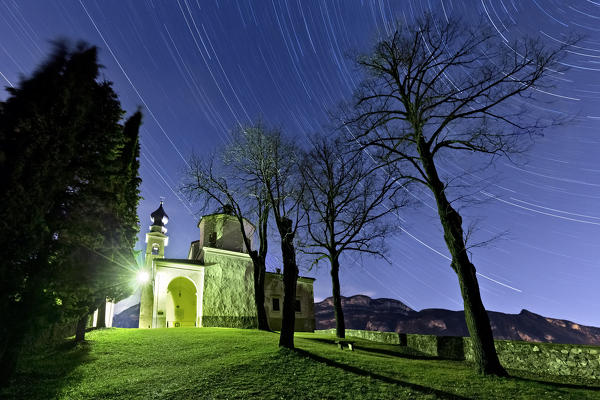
448	347
537	358
374	336
545	358
228	290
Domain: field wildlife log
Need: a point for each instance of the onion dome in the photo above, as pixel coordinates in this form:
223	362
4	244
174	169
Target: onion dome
159	218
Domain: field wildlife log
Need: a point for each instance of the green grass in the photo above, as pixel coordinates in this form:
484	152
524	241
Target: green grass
234	363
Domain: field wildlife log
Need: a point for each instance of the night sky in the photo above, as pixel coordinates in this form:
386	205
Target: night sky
199	67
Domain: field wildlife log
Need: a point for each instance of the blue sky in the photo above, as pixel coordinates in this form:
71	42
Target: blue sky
197	68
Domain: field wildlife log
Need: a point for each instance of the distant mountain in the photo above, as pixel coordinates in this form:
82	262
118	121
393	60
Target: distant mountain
362	312
128	318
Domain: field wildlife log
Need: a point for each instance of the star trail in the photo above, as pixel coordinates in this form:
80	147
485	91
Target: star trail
199	67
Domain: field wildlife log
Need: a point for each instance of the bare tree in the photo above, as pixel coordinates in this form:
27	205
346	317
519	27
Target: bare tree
438	87
231	193
346	205
270	161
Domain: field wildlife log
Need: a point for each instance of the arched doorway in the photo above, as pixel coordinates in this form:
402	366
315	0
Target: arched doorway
181	303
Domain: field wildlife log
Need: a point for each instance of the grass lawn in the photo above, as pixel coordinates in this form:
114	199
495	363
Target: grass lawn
234	363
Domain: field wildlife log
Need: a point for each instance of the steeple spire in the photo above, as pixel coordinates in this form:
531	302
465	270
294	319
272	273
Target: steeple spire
159	219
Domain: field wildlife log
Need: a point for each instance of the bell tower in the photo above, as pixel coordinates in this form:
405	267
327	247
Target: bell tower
156	241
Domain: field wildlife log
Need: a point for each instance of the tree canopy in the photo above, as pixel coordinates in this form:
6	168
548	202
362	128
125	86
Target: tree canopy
348	204
219	181
441	86
269	162
70	196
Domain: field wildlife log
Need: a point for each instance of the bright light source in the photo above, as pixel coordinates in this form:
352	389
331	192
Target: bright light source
142	277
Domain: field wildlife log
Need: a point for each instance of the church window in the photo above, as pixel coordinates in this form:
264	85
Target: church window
212	239
155	249
297	306
275	304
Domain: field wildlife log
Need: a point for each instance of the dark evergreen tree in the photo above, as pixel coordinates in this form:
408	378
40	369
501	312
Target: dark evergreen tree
104	226
69	195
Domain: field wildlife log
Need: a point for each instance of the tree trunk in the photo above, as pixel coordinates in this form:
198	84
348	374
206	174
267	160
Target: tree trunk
290	277
478	321
17	321
101	320
259	292
476	317
10	350
340	325
80	329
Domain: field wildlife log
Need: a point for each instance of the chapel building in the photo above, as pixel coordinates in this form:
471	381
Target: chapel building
214	285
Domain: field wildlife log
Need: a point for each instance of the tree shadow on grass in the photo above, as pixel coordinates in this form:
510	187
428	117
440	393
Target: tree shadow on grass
43	374
585	384
414	355
403	352
518	375
419	388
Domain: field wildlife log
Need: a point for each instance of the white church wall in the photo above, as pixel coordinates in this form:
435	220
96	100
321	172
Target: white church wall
221	274
228	289
165	273
108	316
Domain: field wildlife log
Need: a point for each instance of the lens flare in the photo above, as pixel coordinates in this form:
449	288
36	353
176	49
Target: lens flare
143	277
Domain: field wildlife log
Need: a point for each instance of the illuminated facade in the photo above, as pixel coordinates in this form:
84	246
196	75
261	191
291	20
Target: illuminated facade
214	285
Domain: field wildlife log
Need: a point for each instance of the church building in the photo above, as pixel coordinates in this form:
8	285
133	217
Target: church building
214	285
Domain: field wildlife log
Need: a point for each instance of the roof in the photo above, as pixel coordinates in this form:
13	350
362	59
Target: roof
225	214
180	261
159	217
299	277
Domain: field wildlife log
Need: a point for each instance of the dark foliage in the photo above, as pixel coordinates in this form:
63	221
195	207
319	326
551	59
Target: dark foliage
70	195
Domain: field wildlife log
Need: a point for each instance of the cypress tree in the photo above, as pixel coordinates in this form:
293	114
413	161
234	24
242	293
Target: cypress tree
69	197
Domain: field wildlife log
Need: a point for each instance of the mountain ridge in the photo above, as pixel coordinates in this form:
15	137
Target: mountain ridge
363	312
391	315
